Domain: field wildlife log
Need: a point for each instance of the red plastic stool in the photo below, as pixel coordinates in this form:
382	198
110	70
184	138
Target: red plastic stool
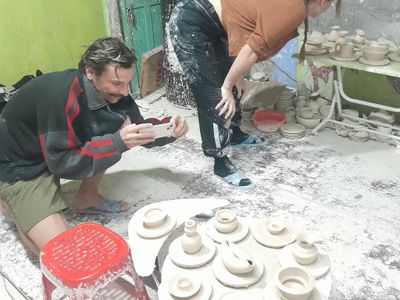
84	259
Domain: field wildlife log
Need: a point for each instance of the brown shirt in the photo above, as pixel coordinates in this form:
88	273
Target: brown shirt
265	25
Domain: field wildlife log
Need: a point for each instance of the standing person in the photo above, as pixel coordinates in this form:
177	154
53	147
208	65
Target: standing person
72	124
207	37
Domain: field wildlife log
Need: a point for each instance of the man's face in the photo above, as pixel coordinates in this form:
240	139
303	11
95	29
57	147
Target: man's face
113	83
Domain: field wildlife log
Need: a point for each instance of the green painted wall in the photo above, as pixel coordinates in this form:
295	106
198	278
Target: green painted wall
49	35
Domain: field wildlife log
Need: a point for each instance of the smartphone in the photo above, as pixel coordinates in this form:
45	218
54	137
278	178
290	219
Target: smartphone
162	130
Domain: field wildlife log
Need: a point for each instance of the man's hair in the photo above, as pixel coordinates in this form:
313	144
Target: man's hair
105	51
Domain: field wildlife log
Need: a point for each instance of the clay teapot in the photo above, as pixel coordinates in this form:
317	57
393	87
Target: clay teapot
235	259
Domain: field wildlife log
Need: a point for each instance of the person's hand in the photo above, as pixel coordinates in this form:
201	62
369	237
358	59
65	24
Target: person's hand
240	88
131	135
227	104
180	127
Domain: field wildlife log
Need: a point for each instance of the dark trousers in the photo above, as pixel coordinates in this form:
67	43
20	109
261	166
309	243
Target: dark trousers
200	44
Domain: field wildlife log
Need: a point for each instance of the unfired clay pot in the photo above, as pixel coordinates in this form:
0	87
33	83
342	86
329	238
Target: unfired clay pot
153	217
304	250
235	259
294	283
191	240
225	221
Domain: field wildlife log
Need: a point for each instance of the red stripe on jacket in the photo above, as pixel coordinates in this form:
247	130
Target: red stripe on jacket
87	152
72	99
41	140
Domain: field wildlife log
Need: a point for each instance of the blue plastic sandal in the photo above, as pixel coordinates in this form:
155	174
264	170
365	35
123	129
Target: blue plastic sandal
251	140
236	178
107	207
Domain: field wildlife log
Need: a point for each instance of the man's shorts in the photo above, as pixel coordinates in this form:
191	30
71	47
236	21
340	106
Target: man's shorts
33	200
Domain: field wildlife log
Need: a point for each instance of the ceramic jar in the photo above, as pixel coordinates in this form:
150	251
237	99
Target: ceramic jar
304	250
290	115
225	221
294	283
191	239
235	259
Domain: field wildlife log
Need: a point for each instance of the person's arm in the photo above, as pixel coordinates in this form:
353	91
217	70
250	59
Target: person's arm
242	64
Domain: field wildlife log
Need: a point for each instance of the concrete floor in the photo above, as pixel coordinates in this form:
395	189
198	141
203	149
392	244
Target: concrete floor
345	192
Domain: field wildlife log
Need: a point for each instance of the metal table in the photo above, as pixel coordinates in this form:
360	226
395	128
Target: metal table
393	69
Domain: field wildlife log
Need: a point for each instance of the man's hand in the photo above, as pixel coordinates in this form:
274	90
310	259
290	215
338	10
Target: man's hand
227	104
131	136
180	127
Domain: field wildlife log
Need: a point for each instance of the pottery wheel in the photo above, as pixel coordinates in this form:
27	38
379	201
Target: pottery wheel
318	268
235	236
204	293
156	232
264	237
271	293
237	280
382	62
185	260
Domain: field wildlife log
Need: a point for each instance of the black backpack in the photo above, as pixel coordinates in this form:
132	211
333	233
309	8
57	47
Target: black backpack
6	92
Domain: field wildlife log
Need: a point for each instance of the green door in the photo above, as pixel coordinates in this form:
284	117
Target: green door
141	25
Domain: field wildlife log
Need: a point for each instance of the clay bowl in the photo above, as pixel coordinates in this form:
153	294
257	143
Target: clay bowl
294	283
374	53
153	217
183	286
225	221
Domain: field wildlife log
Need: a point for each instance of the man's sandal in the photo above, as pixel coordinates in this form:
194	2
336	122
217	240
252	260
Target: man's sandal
251	140
238	179
107	207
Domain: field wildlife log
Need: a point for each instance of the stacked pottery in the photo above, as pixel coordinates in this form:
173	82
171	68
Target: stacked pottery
359	38
382	116
374	55
314	46
358	136
308	118
286	99
292	130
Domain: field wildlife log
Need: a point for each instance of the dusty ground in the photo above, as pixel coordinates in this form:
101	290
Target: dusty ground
345	192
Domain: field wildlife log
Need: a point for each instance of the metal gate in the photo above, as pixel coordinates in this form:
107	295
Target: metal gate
141	25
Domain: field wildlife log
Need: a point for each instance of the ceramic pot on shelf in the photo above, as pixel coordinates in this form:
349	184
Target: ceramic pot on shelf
191	240
304	250
225	221
334	34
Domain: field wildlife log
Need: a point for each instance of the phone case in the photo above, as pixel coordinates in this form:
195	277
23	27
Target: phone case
162	130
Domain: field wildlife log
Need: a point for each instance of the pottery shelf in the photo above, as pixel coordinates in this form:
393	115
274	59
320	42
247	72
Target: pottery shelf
393	69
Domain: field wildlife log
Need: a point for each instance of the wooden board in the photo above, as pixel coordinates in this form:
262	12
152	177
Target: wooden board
152	71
